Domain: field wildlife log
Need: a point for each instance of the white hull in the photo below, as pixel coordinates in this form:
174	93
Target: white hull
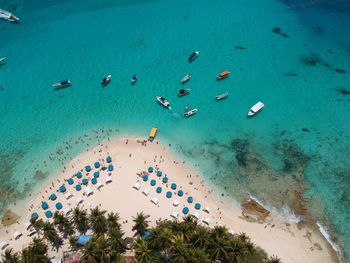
191	112
186	78
2	60
255	109
163	102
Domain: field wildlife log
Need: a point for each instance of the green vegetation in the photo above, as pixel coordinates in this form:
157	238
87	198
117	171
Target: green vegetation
169	241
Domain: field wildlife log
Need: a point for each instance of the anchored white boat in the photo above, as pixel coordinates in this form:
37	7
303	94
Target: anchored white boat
191	112
255	109
163	102
186	78
8	16
105	81
221	96
63	84
193	56
2	60
183	92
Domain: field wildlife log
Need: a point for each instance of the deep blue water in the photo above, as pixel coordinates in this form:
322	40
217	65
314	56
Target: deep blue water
292	55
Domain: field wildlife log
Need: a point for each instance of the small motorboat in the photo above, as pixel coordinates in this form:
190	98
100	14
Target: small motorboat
190	113
63	84
134	80
163	102
183	92
105	81
223	75
8	16
221	96
193	56
2	60
255	109
186	78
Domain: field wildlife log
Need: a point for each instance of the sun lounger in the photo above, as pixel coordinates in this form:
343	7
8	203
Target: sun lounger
99	185
3	244
155	201
31	232
68	195
137	186
175	215
27	225
206	221
195	214
88	191
175	202
79	201
206	209
145	192
108	180
17	235
67	210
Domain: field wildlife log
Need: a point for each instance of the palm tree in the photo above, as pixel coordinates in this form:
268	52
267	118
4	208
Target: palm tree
217	248
80	219
35	252
142	251
116	242
98	221
159	238
9	256
274	259
113	220
200	237
90	254
51	235
141	223
38	225
73	243
63	223
198	255
237	251
180	252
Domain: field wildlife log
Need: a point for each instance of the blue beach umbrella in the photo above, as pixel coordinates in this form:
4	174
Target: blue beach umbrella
70	181
97	164
169	194
153	182
35	215
58	205
180	193
145	178
78	187
52	197
190	199
173	186
197	206
150	169
44	205
62	189
159	173
109	159
110	167
85	181
88	168
96	174
79	175
48	214
159	189
185	210
94	181
165	180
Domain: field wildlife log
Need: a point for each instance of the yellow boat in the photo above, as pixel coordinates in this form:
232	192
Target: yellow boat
152	134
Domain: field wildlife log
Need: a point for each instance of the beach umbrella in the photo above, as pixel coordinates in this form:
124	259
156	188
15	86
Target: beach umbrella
78	187
150	169
96	174
180	193
169	194
185	210
110	167
79	175
62	189
165	180
159	173
48	214
197	206
159	189
94	181
145	178
173	186
109	159
85	181
88	168
190	199
97	164
153	182
35	215
70	181
44	205
52	197
58	205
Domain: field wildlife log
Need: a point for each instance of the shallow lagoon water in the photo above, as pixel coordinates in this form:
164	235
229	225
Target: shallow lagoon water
292	56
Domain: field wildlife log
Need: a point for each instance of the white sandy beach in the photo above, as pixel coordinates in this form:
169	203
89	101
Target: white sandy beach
132	156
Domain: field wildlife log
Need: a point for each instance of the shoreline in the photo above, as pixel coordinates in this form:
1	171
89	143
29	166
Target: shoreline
268	235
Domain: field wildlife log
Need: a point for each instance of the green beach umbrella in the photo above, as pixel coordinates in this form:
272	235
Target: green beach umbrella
190	199
94	181
150	169
53	197
197	206
159	173
35	215
88	168
97	164
109	159
145	178
44	205
165	180
78	187
96	174
79	175
159	189
153	182
180	193
110	167
173	186
48	214
70	181
185	210
169	194
59	206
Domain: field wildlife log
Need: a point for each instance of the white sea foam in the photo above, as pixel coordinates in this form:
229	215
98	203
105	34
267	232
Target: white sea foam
325	233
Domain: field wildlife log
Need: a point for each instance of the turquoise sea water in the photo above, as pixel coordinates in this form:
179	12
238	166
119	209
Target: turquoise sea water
292	55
